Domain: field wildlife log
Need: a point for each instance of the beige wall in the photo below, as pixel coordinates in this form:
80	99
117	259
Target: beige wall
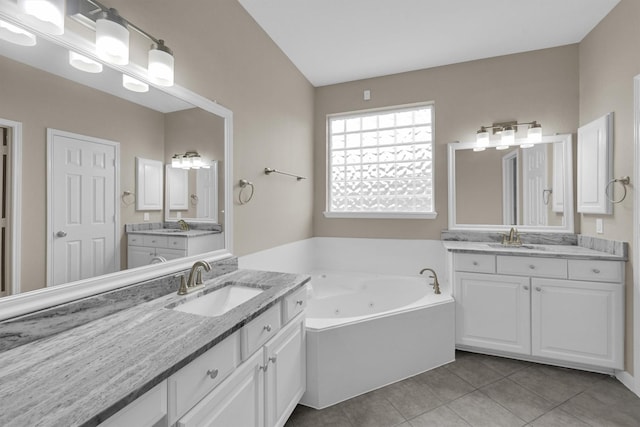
39	101
540	85
222	54
609	60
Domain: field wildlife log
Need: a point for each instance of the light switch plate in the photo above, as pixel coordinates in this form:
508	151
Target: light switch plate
599	226
145	216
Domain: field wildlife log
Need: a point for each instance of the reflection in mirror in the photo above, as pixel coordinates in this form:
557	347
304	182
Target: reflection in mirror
524	187
40	91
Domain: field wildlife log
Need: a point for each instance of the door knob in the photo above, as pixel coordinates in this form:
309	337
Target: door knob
61	234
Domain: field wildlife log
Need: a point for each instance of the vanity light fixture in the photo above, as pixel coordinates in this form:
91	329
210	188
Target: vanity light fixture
507	132
83	63
112	37
188	160
134	85
16	35
44	15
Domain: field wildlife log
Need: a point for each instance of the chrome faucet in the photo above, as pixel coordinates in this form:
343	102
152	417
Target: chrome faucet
436	285
183	225
512	239
194	282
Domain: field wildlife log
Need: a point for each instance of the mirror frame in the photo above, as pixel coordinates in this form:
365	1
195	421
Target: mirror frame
20	304
569	209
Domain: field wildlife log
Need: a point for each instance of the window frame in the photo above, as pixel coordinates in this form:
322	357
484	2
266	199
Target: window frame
379	214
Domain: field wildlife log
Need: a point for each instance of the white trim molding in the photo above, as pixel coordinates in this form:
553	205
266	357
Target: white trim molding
636	237
15	209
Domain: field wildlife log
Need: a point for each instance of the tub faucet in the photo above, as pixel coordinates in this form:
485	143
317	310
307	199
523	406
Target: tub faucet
436	285
195	278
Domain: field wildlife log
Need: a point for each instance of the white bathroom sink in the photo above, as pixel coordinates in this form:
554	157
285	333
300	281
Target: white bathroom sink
218	302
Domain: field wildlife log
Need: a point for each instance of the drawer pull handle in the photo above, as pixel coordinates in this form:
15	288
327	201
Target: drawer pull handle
595	270
212	373
267	328
526	288
539	289
299	302
273	359
532	267
475	262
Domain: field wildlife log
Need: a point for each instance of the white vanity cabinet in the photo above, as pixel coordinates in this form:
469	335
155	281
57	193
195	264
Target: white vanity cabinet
264	388
552	309
143	247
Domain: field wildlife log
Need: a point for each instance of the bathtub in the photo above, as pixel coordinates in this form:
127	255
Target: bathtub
371	319
365	331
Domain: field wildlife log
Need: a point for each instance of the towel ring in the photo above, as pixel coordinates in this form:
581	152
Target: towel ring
243	185
625	180
125	194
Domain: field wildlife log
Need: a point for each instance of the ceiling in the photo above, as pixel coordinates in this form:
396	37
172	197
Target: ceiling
335	41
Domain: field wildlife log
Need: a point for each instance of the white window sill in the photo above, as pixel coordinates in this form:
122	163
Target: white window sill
381	215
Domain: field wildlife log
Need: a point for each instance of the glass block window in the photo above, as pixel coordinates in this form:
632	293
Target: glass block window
381	161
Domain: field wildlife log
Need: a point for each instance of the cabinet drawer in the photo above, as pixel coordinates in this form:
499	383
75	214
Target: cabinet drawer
135	239
532	266
197	379
255	333
475	263
294	304
597	271
145	411
155	241
176	242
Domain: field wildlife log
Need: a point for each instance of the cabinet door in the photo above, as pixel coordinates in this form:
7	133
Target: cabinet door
237	402
286	373
170	254
595	165
138	256
579	322
493	312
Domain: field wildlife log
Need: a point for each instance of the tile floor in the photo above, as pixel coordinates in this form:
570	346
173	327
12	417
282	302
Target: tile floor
478	390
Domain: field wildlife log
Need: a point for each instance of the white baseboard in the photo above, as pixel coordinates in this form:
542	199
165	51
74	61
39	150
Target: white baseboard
627	379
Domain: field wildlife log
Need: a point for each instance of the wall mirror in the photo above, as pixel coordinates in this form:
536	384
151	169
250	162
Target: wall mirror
40	92
528	188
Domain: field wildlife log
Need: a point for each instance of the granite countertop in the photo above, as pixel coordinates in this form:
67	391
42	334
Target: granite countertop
175	232
543	251
86	374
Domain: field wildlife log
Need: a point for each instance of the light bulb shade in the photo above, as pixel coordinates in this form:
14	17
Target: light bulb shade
196	162
186	163
482	138
16	35
526	145
176	161
502	147
534	134
112	39
83	63
134	85
45	15
508	136
161	64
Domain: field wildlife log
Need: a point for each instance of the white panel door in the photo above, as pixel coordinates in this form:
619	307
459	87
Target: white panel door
534	183
579	322
492	311
82	219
